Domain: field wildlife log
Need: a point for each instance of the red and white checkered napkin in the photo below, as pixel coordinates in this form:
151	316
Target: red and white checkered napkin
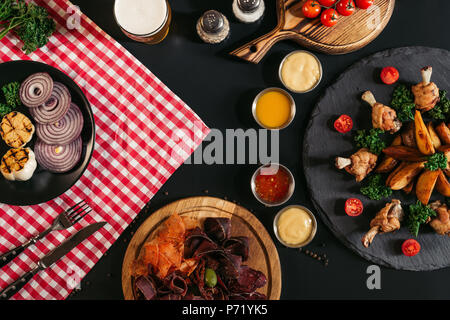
144	133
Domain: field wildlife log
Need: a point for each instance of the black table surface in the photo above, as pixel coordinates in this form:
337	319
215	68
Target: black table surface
186	65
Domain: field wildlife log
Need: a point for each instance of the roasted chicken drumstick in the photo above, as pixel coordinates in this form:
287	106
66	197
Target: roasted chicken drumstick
386	220
383	117
426	93
360	164
441	224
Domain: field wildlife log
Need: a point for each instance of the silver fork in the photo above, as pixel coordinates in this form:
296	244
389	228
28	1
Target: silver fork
63	221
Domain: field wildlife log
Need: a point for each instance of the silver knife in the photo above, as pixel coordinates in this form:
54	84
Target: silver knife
51	258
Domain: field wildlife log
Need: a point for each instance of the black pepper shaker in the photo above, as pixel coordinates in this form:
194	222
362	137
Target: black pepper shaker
213	27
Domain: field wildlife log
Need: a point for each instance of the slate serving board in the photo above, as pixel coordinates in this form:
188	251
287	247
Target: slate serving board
329	187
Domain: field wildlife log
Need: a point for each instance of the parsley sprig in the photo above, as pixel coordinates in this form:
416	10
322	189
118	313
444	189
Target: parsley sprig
436	161
370	139
29	21
418	215
403	102
376	189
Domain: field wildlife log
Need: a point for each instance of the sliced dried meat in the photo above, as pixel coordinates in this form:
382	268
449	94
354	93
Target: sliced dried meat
249	281
145	287
230	265
238	246
217	229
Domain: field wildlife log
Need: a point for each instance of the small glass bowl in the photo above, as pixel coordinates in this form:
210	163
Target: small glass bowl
311	236
292	105
284	60
289	193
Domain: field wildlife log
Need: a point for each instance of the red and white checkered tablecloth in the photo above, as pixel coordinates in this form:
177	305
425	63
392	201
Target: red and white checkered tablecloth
144	132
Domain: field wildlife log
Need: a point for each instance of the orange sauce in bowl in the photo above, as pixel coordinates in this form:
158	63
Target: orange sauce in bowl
273	109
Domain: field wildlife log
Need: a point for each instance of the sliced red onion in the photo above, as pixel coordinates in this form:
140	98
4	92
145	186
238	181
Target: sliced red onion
63	131
36	89
58	159
55	107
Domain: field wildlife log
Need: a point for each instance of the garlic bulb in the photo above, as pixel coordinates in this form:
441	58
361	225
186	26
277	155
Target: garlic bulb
18	164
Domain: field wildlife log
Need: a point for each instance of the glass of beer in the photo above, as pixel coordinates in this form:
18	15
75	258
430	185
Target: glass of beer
145	21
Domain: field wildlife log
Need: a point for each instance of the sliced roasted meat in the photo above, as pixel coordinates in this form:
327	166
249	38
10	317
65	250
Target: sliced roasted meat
360	164
386	220
441	224
426	93
383	117
16	129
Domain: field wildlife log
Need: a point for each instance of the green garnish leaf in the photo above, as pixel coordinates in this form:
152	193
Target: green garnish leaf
376	188
403	102
11	94
370	140
4	109
436	161
29	21
418	215
442	109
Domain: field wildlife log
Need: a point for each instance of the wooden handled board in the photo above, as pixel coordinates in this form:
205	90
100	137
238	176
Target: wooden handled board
349	34
263	253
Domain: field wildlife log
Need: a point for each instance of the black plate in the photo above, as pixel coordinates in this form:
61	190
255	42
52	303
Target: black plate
44	185
330	188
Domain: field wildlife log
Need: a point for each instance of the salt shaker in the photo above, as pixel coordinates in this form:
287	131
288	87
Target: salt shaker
248	11
213	27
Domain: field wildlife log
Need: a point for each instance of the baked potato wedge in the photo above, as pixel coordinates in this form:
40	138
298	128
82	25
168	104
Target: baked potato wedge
425	185
406	175
408	189
423	139
443	132
404	153
434	136
393	173
442	184
388	163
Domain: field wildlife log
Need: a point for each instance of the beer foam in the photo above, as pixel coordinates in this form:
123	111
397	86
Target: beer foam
140	17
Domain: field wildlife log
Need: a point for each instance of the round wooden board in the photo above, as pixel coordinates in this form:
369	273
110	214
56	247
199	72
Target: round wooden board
349	34
263	253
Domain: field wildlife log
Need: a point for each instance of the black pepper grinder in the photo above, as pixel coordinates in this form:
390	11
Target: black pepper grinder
213	27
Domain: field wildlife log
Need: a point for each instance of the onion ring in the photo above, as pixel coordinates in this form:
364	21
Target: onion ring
63	131
55	107
36	89
58	159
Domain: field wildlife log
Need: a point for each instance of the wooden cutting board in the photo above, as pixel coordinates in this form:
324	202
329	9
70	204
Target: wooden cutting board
349	34
263	253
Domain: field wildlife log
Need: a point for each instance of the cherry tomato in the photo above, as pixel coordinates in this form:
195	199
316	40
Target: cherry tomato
389	75
345	7
329	17
343	124
353	207
311	9
364	4
410	247
327	3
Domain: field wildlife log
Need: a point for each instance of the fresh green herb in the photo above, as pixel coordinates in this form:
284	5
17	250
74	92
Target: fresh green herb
11	93
4	109
376	189
370	140
436	161
418	215
29	21
403	102
441	110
